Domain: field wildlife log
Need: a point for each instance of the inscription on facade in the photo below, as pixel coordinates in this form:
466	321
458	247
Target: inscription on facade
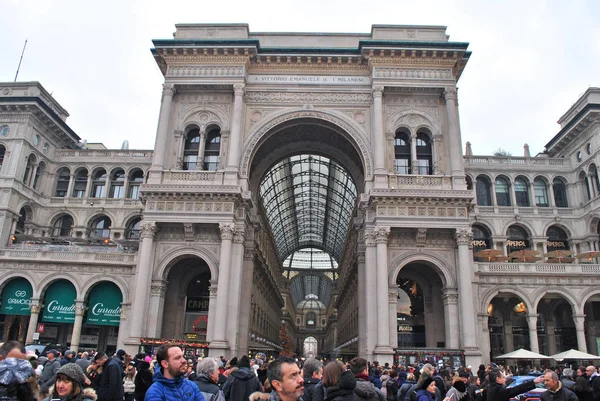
308	80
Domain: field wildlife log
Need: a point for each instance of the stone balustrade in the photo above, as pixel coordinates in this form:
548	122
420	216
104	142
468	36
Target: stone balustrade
41	255
542	268
197	177
97	155
535	162
410	181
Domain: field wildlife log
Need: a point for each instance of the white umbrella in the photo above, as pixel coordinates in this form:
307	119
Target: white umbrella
574	354
522	354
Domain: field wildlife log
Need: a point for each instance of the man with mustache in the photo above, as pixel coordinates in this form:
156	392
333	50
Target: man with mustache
286	380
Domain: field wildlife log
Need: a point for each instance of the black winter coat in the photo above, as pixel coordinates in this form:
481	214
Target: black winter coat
240	384
392	389
563	394
309	387
497	392
110	384
344	391
143	380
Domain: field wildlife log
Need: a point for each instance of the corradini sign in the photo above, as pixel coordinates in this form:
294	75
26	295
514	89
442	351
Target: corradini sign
99	310
55	307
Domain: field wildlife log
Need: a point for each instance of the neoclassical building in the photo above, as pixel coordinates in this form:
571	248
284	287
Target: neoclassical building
307	192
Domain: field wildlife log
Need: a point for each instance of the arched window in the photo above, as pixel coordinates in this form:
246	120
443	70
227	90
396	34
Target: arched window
522	192
39	172
63	176
517	239
80	184
23	218
212	150
484	192
100	227
117	184
583	181
136	178
424	155
469	183
402	152
28	169
557	239
560	193
62	226
134	228
594	174
540	192
502	192
99	184
2	154
482	239
311	319
190	150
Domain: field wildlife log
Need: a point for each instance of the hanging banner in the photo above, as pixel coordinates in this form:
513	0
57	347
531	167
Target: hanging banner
60	303
16	297
104	306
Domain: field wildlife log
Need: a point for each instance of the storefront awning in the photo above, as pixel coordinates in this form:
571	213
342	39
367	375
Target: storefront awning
60	303
16	297
104	305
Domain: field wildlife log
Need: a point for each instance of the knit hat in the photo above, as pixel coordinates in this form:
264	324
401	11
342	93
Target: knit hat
244	362
121	353
426	383
73	372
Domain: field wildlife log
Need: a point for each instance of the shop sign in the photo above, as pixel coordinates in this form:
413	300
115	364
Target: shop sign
16	298
479	243
517	244
520	330
104	306
404	329
60	303
564	330
556	245
196	304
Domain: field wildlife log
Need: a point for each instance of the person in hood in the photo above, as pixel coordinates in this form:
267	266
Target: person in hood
208	379
241	382
458	391
556	390
339	383
15	371
169	383
427	390
69	383
365	390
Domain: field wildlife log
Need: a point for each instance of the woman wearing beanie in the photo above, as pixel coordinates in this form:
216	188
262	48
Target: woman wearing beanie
427	390
69	385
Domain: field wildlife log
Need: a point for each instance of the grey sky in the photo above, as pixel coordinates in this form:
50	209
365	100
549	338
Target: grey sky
531	59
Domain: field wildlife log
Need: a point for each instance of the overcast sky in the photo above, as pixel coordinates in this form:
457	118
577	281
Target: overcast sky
531	59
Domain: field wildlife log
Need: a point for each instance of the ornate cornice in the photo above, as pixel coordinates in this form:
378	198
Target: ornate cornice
413	73
189	71
308	97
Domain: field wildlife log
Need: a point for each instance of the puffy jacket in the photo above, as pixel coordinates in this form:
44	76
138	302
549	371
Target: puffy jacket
497	392
178	389
424	395
13	380
210	391
240	384
392	390
562	394
403	391
366	391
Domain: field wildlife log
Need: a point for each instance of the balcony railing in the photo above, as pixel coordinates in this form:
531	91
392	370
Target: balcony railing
411	181
52	253
107	154
547	268
520	161
192	177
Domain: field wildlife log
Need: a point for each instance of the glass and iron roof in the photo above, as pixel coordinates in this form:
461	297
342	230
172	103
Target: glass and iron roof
309	201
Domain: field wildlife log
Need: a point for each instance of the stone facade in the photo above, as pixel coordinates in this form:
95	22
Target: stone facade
234	103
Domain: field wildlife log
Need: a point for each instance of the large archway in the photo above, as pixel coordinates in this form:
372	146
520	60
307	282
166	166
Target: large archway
306	175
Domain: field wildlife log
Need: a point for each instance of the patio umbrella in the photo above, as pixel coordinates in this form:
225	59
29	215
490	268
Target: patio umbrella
523	254
588	255
574	354
522	354
560	253
488	254
560	260
499	259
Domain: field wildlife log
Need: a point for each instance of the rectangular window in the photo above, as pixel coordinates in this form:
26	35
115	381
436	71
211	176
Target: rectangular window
189	162
541	197
98	191
211	163
134	192
116	192
423	166
401	166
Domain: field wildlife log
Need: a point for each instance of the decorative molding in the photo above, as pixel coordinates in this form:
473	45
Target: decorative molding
369	238
450	94
188	231
190	71
148	229
381	234
195	98
190	207
168	90
421	211
227	231
377	91
438	74
307	97
421	238
238	89
464	237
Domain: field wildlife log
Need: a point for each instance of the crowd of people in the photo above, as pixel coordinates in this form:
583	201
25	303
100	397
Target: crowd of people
168	375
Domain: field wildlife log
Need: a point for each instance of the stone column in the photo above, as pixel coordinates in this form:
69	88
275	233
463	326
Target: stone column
579	321
245	300
212	310
450	301
162	137
79	311
508	337
414	164
179	137
158	291
484	343
88	187
362	305
201	148
70	187
36	307
393	319
219	345
235	139
370	292
383	350
378	137
454	138
534	344
464	239
234	298
143	279
493	194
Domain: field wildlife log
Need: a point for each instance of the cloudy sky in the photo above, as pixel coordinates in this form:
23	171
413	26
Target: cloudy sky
531	59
